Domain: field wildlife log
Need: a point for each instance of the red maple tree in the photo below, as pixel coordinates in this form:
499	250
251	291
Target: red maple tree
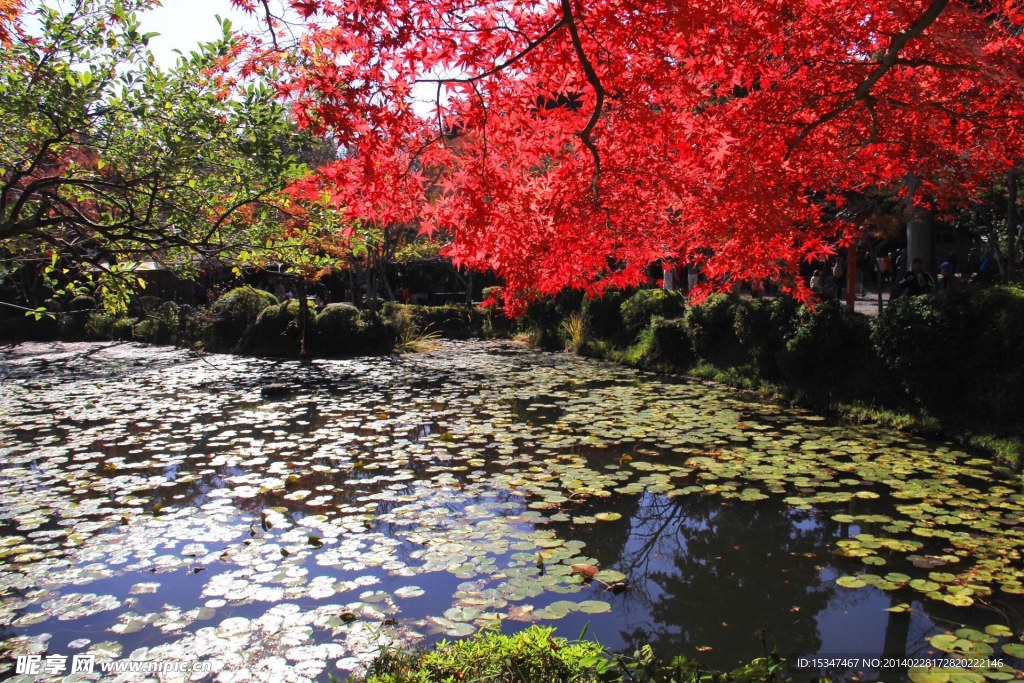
570	143
9	12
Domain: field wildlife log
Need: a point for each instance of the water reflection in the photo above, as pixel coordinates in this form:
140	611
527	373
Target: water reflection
712	574
427	495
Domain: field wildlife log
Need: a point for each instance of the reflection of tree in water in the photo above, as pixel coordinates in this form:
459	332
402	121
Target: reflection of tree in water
710	573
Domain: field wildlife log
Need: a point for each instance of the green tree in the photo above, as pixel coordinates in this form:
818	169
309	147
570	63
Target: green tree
107	159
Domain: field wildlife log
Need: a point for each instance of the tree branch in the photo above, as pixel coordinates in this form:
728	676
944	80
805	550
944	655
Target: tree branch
599	94
889	59
530	47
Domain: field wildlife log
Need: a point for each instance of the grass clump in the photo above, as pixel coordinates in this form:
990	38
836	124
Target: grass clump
575	329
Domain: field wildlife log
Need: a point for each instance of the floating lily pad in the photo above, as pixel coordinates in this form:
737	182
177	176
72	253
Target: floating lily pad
998	630
594	607
1014	650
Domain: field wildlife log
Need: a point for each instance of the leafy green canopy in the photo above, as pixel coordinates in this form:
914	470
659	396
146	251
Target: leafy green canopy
107	159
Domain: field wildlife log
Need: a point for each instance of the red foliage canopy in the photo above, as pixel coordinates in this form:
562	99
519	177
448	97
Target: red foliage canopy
570	143
9	11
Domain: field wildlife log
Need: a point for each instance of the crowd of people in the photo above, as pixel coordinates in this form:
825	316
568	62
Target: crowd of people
890	270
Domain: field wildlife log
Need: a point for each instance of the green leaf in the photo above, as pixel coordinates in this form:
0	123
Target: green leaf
850	582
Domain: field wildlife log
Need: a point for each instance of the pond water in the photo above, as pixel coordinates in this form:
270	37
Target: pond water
163	506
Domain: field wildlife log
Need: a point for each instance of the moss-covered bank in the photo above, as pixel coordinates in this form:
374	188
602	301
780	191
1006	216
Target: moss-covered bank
250	321
948	365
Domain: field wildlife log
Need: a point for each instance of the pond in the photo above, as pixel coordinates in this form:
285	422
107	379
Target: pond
274	518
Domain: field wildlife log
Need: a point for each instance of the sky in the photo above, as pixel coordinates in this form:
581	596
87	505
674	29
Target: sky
182	24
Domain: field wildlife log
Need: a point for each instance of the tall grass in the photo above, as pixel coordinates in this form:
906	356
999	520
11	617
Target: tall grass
575	329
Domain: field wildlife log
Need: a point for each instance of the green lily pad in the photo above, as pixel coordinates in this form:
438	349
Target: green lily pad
998	630
850	582
594	607
1014	650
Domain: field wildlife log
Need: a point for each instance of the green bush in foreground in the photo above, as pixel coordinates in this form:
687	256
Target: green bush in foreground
337	331
663	347
536	655
531	655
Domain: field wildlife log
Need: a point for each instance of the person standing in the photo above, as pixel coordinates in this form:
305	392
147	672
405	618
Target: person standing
839	278
948	281
899	267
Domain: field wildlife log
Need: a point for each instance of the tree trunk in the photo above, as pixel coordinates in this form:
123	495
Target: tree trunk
371	285
920	241
382	267
300	287
351	286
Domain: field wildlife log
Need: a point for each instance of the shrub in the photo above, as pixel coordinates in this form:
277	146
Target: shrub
713	330
638	310
275	332
76	316
192	324
82	304
377	333
668	345
495	322
530	655
121	329
542	321
100	326
924	341
146	330
450	321
233	314
160	326
760	327
998	374
336	330
536	655
493	292
603	315
829	346
959	354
